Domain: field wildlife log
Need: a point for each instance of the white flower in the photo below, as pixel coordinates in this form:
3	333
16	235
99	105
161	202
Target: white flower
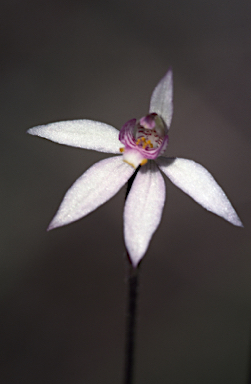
144	141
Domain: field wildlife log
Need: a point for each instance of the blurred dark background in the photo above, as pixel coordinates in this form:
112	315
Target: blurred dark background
63	292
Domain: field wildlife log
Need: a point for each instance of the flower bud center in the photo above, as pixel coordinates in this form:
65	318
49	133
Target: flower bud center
150	131
147	138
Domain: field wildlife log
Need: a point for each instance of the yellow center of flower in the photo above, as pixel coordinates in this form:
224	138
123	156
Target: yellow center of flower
141	141
147	138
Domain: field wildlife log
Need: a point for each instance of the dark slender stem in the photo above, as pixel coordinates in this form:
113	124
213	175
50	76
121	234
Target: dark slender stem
249	361
132	281
130	181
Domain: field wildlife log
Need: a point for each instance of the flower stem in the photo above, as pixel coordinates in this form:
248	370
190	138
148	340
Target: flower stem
132	281
130	182
249	362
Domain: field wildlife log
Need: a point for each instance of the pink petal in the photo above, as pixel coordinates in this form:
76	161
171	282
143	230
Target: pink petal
143	210
162	98
198	183
86	134
97	185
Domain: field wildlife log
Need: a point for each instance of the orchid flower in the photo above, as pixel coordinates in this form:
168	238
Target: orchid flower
140	144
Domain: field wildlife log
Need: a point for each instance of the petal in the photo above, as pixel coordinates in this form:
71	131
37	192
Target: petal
97	185
143	210
86	134
126	133
162	98
198	183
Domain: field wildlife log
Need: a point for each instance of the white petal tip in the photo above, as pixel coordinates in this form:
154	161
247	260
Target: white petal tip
50	227
231	215
135	261
135	265
54	224
237	222
31	131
